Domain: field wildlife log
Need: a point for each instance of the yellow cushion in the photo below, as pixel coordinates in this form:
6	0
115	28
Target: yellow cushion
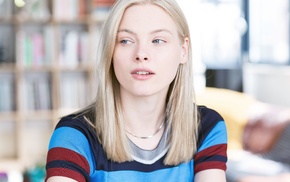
233	107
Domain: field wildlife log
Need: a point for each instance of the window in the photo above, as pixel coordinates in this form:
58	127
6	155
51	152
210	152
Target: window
222	27
269	31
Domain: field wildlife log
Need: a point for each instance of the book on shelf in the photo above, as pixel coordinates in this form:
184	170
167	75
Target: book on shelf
103	3
73	90
69	9
49	51
6	7
35	49
3	176
74	48
37	91
101	8
36	10
6	44
7	93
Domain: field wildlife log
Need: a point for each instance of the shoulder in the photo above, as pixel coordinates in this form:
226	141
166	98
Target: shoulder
212	141
72	148
208	116
74	121
69	128
73	140
74	128
211	123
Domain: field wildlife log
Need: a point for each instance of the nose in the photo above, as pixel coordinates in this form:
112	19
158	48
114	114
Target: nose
142	53
140	58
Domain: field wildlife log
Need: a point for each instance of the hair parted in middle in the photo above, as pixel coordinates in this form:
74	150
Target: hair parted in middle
106	114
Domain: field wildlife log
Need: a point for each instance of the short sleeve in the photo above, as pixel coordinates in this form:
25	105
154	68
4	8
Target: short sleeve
212	148
69	153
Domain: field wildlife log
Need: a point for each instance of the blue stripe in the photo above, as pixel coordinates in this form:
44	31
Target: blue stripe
70	138
183	172
218	135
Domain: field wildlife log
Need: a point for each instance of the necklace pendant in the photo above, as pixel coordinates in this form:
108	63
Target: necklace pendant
146	137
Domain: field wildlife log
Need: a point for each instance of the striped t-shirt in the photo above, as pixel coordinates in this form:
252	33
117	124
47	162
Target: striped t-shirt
75	152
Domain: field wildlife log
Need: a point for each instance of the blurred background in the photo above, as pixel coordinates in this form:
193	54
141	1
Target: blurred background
47	49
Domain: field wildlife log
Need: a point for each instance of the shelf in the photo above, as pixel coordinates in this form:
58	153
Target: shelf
7	67
8	165
39	115
8	139
11	116
47	68
9	20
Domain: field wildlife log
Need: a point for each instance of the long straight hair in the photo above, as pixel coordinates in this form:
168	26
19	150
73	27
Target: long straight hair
105	113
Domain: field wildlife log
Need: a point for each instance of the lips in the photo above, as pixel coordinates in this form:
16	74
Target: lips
142	74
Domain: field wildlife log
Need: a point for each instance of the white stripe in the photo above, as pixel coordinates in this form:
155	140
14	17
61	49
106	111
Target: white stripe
153	160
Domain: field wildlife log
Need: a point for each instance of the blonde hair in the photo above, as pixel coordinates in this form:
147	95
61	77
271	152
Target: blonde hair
105	113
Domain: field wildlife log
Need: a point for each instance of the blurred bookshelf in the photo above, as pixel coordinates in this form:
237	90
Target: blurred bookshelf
47	55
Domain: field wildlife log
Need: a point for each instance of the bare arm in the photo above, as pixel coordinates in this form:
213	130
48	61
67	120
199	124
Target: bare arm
216	175
60	179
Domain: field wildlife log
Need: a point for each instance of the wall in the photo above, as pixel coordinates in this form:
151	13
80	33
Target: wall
268	83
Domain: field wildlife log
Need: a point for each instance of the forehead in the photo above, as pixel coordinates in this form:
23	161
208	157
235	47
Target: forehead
146	17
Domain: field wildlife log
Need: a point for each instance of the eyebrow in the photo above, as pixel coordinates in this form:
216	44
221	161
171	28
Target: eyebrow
126	30
153	32
161	30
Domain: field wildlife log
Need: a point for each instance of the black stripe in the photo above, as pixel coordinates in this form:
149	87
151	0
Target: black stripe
102	162
68	165
132	165
88	131
217	158
209	118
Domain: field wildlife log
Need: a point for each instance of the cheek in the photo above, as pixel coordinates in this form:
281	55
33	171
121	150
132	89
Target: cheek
169	67
120	56
117	59
117	67
120	68
117	73
171	58
172	64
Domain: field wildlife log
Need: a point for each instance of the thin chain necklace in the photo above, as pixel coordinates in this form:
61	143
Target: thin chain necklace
147	137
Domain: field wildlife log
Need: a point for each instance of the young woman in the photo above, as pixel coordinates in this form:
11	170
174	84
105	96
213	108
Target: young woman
143	124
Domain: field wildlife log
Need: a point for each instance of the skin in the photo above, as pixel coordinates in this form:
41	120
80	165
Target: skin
210	175
147	41
156	50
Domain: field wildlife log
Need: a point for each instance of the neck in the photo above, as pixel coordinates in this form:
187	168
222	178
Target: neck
143	116
149	136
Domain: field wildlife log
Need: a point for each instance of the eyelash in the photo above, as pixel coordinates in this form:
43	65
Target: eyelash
125	41
155	41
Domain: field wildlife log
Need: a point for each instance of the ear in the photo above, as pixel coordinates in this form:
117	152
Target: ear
184	50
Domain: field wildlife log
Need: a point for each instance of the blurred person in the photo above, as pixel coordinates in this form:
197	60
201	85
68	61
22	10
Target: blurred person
144	124
266	155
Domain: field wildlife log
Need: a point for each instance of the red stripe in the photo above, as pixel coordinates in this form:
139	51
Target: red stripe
210	165
220	149
206	154
68	155
65	173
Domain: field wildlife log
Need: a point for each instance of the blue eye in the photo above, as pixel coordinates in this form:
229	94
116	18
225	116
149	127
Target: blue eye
158	41
126	41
